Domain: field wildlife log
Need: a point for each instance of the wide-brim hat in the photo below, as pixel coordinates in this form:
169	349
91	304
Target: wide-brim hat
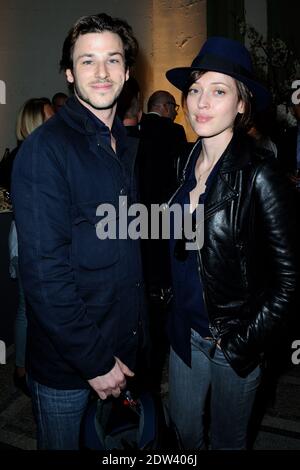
219	54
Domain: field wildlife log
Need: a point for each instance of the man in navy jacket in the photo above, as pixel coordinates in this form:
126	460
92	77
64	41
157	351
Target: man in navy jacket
85	294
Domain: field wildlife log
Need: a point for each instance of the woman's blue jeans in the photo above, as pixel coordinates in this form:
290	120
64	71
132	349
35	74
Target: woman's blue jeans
58	415
231	400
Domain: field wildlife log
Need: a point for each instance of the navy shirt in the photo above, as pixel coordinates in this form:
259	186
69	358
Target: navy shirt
188	280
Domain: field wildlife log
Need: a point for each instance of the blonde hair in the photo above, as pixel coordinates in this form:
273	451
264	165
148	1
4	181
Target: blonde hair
30	116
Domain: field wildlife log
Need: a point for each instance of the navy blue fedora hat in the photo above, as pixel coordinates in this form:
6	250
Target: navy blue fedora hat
219	54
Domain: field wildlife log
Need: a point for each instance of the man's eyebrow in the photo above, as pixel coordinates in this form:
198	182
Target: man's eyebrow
116	53
86	54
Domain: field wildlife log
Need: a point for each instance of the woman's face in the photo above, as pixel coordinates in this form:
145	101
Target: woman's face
212	104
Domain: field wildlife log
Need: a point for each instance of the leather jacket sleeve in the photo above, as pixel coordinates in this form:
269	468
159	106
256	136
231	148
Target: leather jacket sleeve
275	215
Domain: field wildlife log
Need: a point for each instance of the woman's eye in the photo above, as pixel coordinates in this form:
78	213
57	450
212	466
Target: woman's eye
193	91
220	92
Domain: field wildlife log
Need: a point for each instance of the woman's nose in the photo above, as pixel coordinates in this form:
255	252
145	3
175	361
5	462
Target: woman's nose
203	101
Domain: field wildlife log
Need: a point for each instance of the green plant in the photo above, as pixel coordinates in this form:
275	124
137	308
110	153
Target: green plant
276	64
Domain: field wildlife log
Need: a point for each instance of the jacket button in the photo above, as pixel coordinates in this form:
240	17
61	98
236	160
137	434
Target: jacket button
134	332
122	191
137	284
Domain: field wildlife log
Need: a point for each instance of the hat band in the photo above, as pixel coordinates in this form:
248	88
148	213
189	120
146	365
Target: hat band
217	63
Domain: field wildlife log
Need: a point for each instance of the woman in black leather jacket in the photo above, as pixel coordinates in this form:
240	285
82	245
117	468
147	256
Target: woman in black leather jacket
232	296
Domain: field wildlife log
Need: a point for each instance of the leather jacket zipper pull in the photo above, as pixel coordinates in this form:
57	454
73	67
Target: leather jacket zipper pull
213	349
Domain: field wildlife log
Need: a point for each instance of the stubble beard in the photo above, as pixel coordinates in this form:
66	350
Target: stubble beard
87	100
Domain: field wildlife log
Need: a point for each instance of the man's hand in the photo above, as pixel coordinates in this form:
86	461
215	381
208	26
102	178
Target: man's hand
113	382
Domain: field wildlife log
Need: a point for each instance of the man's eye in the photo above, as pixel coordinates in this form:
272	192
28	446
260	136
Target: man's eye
193	91
87	62
114	61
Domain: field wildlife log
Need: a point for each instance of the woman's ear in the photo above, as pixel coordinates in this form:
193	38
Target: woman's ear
241	107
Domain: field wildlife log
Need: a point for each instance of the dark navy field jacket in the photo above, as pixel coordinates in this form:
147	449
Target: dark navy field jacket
85	294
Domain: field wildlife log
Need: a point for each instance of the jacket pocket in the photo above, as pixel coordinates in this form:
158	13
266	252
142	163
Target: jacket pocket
91	250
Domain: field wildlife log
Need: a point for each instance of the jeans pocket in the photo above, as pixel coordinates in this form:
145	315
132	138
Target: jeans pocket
219	357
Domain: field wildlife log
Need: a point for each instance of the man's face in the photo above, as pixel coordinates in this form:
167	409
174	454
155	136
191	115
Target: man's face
171	108
98	70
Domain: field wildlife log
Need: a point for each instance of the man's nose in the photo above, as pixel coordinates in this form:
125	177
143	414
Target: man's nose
102	71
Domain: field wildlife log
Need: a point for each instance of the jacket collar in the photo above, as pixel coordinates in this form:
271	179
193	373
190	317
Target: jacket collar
235	156
83	120
77	117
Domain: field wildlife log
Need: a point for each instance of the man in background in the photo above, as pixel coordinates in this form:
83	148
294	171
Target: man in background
58	100
162	142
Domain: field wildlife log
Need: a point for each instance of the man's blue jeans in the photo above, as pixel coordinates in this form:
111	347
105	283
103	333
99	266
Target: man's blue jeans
58	414
231	400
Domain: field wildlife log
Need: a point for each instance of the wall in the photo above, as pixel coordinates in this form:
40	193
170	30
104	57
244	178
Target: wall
179	30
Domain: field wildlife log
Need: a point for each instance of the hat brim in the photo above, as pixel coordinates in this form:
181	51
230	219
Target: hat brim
179	78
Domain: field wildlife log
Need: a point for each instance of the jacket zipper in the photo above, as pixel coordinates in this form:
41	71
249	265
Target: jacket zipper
213	329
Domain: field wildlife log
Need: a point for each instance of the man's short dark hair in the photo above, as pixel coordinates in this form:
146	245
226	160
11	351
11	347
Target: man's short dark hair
57	96
99	24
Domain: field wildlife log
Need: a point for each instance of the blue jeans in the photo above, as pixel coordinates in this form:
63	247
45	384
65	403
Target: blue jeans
231	399
58	415
20	321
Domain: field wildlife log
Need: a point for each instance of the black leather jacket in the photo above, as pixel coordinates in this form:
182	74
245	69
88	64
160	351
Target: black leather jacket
248	263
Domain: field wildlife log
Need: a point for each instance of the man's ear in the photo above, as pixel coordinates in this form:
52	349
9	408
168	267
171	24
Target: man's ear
126	74
70	76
